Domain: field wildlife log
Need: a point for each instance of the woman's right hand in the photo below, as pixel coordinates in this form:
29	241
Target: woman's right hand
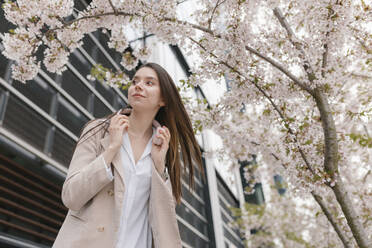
119	124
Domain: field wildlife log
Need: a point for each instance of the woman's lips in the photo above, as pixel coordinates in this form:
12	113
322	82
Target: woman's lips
137	95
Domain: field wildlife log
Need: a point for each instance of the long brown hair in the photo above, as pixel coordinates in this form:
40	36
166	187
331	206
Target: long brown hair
174	116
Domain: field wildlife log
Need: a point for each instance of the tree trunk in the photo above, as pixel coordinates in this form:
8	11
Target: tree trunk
331	220
331	167
353	221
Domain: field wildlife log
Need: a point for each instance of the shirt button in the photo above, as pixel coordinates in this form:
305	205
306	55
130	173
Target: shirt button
100	229
110	192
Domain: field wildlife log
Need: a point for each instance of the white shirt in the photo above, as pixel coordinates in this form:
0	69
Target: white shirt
135	230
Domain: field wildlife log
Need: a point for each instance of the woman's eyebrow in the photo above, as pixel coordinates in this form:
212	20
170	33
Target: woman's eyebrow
137	77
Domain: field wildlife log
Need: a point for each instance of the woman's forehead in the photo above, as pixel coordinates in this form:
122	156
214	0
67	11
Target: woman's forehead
146	72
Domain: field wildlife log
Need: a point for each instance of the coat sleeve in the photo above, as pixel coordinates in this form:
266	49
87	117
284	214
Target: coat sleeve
87	173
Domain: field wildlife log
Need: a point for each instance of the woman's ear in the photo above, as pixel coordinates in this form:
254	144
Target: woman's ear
161	104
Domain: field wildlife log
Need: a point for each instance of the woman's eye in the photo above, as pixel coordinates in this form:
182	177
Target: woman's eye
134	82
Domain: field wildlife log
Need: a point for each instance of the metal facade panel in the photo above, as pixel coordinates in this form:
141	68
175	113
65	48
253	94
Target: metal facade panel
25	123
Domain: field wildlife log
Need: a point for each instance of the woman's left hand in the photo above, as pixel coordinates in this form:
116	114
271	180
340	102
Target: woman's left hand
159	152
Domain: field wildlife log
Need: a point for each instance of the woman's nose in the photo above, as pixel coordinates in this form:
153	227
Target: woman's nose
138	86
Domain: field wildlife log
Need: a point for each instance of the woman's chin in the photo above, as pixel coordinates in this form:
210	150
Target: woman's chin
140	107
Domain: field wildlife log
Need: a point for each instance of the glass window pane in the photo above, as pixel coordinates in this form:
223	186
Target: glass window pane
80	5
24	122
105	91
81	64
62	148
192	219
4	64
100	110
226	193
34	89
119	103
5	25
91	48
70	117
199	190
104	39
191	238
195	203
72	85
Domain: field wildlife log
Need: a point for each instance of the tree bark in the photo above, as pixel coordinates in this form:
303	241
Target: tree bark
352	217
331	167
331	220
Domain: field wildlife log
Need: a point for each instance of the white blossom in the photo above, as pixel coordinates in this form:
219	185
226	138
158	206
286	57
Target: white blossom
272	74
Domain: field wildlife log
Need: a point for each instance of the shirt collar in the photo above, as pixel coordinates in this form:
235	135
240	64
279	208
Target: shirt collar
128	148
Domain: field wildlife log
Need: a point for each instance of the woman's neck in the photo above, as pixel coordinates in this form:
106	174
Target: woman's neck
140	124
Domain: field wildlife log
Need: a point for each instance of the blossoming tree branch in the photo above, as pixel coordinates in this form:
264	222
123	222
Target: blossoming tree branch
299	76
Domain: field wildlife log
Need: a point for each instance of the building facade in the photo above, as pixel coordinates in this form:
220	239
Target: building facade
40	123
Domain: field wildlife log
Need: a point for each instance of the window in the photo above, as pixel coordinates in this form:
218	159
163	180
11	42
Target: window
192	238
25	123
72	85
119	103
106	91
100	110
70	117
80	63
4	64
2	103
192	219
38	91
62	148
92	49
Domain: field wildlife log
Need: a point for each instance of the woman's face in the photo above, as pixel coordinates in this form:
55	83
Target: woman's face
144	91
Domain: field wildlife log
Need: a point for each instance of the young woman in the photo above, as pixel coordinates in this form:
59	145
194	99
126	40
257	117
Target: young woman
124	178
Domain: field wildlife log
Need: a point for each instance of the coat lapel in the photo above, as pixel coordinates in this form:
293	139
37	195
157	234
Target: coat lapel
117	161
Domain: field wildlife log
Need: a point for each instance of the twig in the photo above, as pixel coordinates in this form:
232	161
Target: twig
354	74
206	30
271	102
309	71
282	69
113	7
365	129
254	51
365	177
118	13
209	31
180	2
213	11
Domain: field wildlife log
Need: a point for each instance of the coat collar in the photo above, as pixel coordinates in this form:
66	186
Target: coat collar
117	161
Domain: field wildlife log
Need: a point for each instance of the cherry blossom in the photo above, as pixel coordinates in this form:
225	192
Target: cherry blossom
299	76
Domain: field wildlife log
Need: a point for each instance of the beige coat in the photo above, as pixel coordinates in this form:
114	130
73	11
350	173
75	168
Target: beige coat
95	202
